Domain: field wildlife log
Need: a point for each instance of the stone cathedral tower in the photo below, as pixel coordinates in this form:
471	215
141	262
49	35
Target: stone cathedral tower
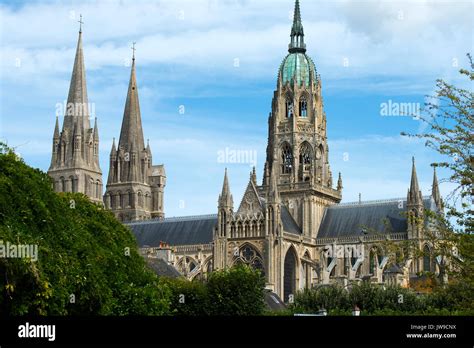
134	187
297	142
276	225
293	228
75	158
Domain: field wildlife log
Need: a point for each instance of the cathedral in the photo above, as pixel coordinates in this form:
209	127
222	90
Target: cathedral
292	226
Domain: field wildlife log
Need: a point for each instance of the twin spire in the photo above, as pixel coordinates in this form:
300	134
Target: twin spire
77	108
131	134
225	198
415	196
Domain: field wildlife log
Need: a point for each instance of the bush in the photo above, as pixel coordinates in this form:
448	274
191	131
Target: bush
456	296
188	298
372	299
236	291
332	298
88	262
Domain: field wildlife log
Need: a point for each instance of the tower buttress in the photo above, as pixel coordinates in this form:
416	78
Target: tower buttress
415	206
225	208
435	192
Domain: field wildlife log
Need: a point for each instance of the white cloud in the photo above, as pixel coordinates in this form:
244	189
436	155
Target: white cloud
212	33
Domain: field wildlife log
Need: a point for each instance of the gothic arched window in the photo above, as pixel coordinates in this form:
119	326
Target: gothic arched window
286	159
120	200
303	107
306	154
140	199
248	255
426	259
98	189
289	108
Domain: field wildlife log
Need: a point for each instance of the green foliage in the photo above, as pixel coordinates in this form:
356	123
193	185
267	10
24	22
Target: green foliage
455	299
236	291
371	298
331	298
188	298
449	115
456	296
82	252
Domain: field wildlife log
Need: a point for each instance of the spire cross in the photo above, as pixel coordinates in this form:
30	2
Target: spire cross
133	49
80	23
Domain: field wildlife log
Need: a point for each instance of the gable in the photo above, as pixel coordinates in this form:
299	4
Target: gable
251	202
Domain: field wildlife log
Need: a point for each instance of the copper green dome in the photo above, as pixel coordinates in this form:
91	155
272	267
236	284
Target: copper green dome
298	67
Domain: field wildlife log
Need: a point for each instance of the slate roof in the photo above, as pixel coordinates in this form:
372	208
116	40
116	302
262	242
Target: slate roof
189	230
175	231
273	302
162	268
289	224
350	219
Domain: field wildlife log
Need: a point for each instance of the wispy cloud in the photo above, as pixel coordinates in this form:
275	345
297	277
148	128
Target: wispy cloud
186	55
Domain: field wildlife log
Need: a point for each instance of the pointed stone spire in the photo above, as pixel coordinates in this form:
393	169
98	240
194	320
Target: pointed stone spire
56	129
435	191
297	33
253	176
132	132
148	149
414	193
96	130
339	183
225	198
113	151
77	108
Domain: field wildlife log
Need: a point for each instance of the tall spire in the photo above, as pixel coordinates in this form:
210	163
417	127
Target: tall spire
225	198
415	193
132	132
297	33
435	191
77	108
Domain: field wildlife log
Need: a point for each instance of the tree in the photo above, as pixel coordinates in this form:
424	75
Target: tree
87	261
236	291
449	114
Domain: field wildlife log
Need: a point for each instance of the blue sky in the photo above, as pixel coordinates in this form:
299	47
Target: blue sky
367	53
